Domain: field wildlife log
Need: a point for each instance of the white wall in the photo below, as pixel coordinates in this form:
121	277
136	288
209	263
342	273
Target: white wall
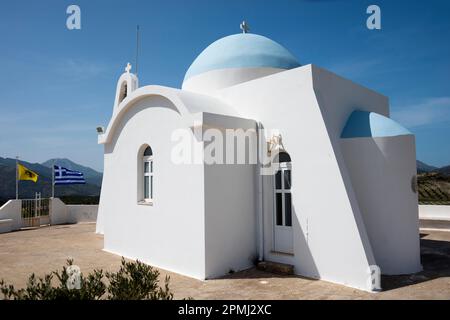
382	170
330	240
170	233
6	225
58	212
434	212
82	213
230	208
208	82
11	210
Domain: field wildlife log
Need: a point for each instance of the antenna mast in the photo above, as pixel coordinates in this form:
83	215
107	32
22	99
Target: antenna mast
137	49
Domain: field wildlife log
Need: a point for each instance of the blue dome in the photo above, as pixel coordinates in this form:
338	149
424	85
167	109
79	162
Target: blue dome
363	124
243	50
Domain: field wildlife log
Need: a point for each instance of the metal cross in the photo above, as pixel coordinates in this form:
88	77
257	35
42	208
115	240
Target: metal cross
128	67
244	27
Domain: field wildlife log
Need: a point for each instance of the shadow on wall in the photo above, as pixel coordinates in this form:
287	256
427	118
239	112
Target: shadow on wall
435	259
435	255
382	172
155	101
304	261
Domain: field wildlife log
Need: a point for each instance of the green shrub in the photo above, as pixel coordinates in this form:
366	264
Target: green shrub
133	281
137	281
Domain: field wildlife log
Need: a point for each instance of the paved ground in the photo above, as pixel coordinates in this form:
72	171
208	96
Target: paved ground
45	249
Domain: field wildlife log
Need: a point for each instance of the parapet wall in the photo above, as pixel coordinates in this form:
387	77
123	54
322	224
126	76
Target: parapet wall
60	213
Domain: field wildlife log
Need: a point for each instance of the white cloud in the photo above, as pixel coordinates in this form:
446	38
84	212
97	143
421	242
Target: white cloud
429	111
79	69
356	68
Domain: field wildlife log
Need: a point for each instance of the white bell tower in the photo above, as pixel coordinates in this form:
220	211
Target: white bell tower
128	82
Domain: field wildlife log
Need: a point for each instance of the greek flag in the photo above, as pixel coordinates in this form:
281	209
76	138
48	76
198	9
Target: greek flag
66	176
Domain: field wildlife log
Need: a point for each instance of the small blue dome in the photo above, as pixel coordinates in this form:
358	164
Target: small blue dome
243	50
362	124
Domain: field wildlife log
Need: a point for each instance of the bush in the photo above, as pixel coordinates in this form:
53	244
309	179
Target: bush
137	281
133	281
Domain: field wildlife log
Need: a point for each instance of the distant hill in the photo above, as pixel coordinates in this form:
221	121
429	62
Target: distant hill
434	184
91	176
445	171
434	188
422	167
27	189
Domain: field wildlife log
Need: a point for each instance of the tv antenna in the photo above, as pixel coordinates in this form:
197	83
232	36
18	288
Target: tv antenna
137	49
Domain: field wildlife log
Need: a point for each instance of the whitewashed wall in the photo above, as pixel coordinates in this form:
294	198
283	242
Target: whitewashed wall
60	213
6	225
230	207
208	82
82	213
11	210
433	212
382	170
170	233
309	107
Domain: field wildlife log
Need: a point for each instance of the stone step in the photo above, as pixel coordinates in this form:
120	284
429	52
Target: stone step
275	267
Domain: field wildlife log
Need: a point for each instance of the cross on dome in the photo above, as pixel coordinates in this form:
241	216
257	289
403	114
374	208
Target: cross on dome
244	27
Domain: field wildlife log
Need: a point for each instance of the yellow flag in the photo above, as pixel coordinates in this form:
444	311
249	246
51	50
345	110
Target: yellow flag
26	174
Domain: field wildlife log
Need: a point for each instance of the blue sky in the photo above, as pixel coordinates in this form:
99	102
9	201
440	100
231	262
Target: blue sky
58	85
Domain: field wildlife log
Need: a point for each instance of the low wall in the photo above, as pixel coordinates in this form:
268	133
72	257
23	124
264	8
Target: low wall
430	212
11	211
6	225
60	213
81	213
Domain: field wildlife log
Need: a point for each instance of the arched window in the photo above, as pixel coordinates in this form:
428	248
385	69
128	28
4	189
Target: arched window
283	199
282	157
147	166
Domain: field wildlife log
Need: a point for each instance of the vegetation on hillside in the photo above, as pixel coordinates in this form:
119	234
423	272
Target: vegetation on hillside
80	199
434	188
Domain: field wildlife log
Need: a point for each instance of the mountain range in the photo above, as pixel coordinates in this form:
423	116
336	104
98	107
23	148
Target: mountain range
422	167
27	189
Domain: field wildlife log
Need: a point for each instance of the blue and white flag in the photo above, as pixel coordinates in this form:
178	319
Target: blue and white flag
66	176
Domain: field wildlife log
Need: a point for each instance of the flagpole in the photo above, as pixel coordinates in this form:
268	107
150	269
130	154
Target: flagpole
17	178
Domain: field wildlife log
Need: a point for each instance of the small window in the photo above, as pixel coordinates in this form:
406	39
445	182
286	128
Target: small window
278	180
288	210
279	209
282	157
148	175
287	179
283	184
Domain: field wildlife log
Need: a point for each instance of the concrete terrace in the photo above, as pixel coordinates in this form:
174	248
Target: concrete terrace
46	249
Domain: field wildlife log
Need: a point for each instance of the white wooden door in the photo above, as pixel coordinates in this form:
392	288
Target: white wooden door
282	217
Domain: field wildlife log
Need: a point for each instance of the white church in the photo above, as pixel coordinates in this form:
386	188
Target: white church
339	202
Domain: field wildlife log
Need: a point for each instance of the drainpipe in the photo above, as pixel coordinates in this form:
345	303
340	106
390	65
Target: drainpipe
260	207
